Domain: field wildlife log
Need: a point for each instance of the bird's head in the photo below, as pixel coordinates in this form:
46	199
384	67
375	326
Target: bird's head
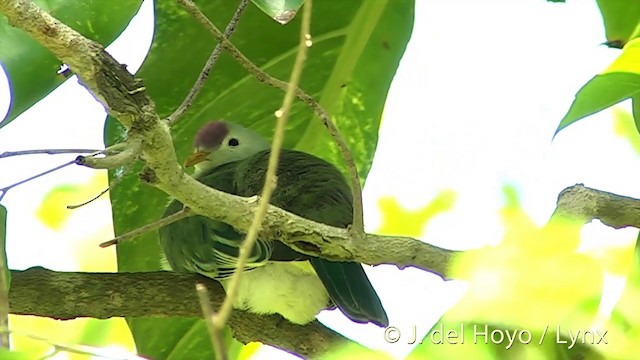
220	142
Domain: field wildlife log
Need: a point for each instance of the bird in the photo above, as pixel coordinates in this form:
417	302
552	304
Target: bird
277	279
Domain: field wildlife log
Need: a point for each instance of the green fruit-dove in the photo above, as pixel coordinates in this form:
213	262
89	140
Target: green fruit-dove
278	279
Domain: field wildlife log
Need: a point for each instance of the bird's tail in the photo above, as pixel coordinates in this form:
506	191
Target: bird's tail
351	291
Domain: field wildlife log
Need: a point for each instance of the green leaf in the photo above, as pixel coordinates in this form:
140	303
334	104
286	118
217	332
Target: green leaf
628	60
635	106
281	11
18	355
32	69
187	336
357	46
600	93
621	20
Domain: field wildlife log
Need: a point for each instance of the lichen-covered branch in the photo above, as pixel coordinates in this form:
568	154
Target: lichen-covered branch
585	204
69	295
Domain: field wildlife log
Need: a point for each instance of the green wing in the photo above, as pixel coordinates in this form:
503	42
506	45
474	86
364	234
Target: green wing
308	187
206	246
314	189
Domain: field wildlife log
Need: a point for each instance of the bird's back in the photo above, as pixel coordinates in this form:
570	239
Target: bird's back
307	186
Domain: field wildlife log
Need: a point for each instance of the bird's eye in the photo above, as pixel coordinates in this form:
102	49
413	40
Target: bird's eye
233	142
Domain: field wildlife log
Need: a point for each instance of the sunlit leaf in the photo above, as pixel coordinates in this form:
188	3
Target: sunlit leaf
107	333
621	20
53	211
6	354
619	82
534	278
401	221
624	324
628	61
600	93
249	350
616	260
625	127
355	352
453	340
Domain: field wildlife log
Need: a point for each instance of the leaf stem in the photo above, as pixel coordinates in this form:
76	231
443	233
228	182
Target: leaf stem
185	212
4	190
209	316
7	154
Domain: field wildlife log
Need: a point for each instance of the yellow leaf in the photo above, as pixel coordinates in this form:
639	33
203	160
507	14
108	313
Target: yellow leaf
53	211
628	61
617	260
624	127
248	350
533	268
558	236
400	221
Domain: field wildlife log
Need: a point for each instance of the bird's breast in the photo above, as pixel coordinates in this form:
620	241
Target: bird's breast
291	289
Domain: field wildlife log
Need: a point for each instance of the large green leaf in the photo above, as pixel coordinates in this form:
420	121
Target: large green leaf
357	46
600	93
281	11
621	20
32	69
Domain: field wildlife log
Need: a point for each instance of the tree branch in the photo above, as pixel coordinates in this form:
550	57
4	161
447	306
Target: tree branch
209	318
7	154
586	204
119	154
69	295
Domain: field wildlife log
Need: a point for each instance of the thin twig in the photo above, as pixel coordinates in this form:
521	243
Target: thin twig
270	178
117	155
76	206
7	154
204	74
209	315
74	349
357	227
6	189
185	212
4	284
115	183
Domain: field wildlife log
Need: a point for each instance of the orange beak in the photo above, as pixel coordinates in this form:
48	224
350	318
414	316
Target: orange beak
195	158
